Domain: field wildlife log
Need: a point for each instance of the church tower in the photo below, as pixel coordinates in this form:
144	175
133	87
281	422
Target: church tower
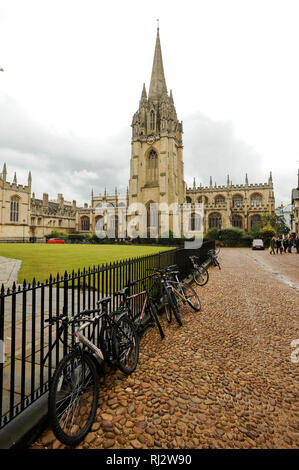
157	169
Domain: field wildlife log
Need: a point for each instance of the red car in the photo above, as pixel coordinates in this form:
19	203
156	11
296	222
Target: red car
55	240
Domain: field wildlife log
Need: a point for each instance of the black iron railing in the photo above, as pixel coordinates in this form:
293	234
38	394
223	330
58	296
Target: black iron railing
28	340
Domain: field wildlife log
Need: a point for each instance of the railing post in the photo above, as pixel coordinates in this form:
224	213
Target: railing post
2	293
65	309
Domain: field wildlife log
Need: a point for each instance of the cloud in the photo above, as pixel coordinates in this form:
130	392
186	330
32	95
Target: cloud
61	162
212	149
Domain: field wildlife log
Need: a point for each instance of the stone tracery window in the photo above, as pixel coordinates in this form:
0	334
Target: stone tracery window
14	209
256	201
152	119
237	221
219	200
215	220
152	166
85	224
237	201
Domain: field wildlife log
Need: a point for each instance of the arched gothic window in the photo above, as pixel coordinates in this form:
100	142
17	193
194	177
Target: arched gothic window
237	221
152	166
237	201
152	124
14	209
85	224
219	200
256	201
215	220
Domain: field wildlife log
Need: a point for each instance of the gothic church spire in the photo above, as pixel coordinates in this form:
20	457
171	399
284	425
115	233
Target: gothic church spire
158	83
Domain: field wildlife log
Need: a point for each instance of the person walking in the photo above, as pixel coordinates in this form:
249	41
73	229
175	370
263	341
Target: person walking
290	244
285	244
297	244
272	245
278	245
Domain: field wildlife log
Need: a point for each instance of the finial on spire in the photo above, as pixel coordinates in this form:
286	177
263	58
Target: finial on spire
158	24
246	179
29	179
15	178
211	181
194	183
227	180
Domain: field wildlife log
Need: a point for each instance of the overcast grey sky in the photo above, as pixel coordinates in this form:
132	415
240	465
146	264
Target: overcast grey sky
74	71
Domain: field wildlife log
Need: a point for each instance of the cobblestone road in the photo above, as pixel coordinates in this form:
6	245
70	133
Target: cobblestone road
223	380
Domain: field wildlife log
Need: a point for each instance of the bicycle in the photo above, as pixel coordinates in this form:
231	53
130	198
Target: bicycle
74	388
200	274
213	257
167	295
148	307
183	291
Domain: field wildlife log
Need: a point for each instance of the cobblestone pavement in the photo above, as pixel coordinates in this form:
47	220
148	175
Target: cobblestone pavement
223	380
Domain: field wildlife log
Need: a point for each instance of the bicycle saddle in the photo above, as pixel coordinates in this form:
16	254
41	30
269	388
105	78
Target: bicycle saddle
104	300
121	292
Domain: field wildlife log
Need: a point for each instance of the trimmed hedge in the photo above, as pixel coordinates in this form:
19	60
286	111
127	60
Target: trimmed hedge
231	236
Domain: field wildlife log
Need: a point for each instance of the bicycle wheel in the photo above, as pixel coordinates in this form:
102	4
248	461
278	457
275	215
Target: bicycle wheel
73	398
106	343
168	310
173	303
125	345
201	276
154	315
191	296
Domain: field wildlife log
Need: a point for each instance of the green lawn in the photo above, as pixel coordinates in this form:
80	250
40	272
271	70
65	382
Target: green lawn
41	260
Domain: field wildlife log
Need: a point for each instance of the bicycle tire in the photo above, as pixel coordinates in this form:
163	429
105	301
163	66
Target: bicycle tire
191	297
201	276
105	340
75	373
154	314
174	306
168	310
124	335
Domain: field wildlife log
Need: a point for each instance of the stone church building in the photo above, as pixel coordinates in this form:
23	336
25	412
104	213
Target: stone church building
156	176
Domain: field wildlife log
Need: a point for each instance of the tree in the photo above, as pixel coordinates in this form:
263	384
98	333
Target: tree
266	233
277	222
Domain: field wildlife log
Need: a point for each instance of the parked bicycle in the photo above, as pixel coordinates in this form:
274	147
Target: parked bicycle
184	292
167	295
73	393
148	307
213	257
200	274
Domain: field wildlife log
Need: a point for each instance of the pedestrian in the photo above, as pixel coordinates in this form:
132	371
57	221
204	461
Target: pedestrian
290	244
297	244
272	245
278	245
285	244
